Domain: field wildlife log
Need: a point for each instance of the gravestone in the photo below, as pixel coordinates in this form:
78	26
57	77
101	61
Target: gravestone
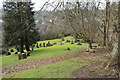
16	52
72	42
54	43
63	39
7	49
8	53
48	44
18	49
68	48
4	52
28	53
32	48
43	44
22	56
79	44
77	41
37	46
12	50
68	41
40	45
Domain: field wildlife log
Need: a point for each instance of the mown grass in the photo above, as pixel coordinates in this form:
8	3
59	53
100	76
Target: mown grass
62	69
46	52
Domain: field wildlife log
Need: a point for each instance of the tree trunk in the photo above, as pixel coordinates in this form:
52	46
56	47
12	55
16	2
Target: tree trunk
106	24
115	61
21	45
26	44
118	54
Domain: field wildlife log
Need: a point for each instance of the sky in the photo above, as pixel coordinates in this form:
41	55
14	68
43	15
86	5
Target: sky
40	3
37	6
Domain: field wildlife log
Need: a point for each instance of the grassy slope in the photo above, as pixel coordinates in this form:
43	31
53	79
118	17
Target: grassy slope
47	52
59	70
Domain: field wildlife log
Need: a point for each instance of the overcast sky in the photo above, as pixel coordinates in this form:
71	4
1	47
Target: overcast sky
40	3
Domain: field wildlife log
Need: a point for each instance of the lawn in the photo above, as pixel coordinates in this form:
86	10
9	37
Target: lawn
58	70
62	69
47	52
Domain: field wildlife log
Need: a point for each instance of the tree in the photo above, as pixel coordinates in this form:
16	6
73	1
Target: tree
83	19
115	60
19	24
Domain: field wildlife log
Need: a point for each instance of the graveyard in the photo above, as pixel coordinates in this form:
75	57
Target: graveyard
59	39
50	61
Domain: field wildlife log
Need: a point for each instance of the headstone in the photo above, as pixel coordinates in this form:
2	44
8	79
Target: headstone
12	50
72	42
7	49
43	44
37	45
63	39
4	52
16	52
79	44
8	53
32	48
68	41
77	41
49	44
28	53
54	43
22	56
40	45
68	48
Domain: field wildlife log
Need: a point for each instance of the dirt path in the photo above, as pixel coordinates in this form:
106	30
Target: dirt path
37	63
94	71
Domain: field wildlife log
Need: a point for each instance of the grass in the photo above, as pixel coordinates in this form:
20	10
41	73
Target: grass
62	69
44	53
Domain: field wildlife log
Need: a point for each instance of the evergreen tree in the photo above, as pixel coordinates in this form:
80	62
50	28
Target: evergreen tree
19	24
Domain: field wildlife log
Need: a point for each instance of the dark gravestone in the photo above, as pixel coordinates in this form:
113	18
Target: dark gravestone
48	44
22	56
28	53
63	39
43	44
77	41
68	41
79	44
68	48
94	47
54	43
16	52
72	42
32	48
4	52
12	50
8	53
7	49
40	45
37	46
